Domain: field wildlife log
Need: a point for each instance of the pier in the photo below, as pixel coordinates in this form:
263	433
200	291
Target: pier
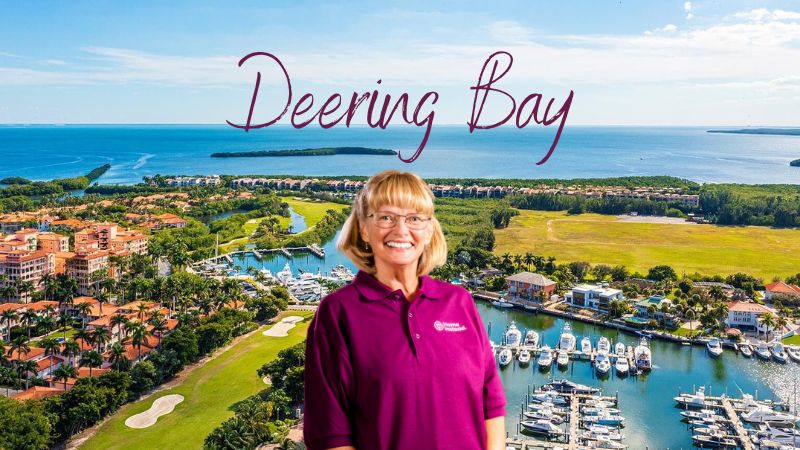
736	423
286	252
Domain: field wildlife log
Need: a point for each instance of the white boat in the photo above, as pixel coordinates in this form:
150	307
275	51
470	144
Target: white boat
549	397
596	410
505	357
598	403
622	365
706	415
502	304
342	273
567	340
715	440
532	338
714	347
794	353
604	431
608	444
779	353
605	419
285	275
524	357
562	358
747	350
513	335
642	356
764	414
762	351
586	345
619	349
571	387
541	427
602	363
696	400
544	414
784	436
604	345
545	357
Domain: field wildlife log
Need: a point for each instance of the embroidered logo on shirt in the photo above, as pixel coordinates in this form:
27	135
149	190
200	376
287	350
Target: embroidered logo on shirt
448	326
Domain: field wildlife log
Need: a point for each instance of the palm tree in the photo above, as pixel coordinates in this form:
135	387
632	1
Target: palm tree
716	293
25	368
20	346
8	316
91	359
84	309
159	324
51	347
780	323
83	335
690	314
118	320
71	350
768	320
138	337
141	310
50	284
29	318
64	320
25	289
117	355
65	372
100	336
528	259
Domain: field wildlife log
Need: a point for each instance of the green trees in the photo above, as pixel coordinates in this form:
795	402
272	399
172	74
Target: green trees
25	425
661	273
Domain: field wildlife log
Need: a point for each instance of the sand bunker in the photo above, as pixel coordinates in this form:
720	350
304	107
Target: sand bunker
281	328
161	407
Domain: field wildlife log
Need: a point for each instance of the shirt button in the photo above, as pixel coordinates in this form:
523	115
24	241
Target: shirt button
410	315
417	335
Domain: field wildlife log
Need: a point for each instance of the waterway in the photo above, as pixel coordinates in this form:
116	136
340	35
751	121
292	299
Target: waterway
653	421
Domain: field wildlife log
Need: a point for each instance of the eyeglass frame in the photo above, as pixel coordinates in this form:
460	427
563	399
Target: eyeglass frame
405	217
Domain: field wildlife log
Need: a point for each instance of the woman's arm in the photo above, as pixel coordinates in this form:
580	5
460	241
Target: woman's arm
496	433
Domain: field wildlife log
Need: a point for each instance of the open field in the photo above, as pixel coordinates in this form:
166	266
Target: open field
209	391
792	340
708	249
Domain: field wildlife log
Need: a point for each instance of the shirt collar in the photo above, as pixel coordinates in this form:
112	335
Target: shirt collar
371	289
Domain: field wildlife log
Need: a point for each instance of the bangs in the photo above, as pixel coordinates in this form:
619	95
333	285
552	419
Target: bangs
403	190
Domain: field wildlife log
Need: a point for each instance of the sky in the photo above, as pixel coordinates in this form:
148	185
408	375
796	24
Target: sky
717	62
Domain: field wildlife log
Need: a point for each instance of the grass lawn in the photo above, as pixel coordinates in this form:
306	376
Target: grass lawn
56	334
709	249
792	340
311	210
209	391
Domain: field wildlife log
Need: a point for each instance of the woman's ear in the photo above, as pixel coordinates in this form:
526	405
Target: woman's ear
362	230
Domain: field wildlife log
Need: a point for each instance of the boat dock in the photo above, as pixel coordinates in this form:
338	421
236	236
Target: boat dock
257	253
736	423
286	252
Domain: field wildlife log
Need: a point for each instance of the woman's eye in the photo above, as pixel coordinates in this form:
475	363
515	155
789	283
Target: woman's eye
385	218
415	219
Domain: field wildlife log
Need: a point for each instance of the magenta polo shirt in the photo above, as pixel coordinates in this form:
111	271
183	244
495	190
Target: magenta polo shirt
383	373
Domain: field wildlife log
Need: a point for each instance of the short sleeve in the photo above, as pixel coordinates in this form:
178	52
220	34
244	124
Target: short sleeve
494	398
328	382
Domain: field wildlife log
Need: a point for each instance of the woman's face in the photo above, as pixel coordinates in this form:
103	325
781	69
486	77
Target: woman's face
399	246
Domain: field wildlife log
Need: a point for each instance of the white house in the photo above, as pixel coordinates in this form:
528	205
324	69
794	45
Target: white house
593	296
744	315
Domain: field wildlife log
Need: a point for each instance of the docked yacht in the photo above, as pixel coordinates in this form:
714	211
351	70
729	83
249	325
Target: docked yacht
714	347
622	365
549	397
562	358
604	345
285	275
715	440
794	352
764	414
706	415
779	353
541	427
602	363
746	349
505	357
608	444
342	273
524	357
696	400
619	349
762	351
586	345
544	414
604	431
545	357
596	410
531	338
610	420
571	387
500	303
567	340
513	335
783	436
642	356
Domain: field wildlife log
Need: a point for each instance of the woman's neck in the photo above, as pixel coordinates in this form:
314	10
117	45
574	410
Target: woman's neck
402	278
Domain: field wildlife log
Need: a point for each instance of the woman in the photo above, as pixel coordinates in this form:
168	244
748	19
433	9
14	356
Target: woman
396	359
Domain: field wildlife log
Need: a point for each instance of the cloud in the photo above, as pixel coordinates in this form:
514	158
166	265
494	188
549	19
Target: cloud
510	32
763	15
669	28
687	8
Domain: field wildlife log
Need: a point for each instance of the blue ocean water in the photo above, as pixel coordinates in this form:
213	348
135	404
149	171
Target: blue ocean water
46	152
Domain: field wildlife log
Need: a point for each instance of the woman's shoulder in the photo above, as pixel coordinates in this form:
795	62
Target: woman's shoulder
442	289
337	298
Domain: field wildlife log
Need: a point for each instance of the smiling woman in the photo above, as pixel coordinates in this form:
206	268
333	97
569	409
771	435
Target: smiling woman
397	359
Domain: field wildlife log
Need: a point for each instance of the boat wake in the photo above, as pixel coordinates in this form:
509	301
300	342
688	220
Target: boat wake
142	161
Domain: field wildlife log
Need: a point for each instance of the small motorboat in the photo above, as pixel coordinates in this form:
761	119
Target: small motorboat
604	431
524	357
765	414
611	420
608	444
604	345
747	350
794	353
696	400
714	347
550	397
586	345
642	355
562	358
545	358
571	387
543	414
567	340
502	304
596	411
541	427
599	403
531	338
779	353
716	440
622	366
602	363
505	357
619	349
707	415
762	351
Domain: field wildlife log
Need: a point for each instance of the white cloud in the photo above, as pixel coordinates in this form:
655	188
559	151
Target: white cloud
669	28
762	15
510	32
687	8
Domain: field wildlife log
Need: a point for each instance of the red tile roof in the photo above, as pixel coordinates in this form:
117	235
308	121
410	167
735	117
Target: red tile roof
38	393
783	288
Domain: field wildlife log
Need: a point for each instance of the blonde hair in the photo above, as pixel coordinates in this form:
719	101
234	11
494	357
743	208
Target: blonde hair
392	188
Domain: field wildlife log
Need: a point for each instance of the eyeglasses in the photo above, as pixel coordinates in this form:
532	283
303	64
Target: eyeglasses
412	221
